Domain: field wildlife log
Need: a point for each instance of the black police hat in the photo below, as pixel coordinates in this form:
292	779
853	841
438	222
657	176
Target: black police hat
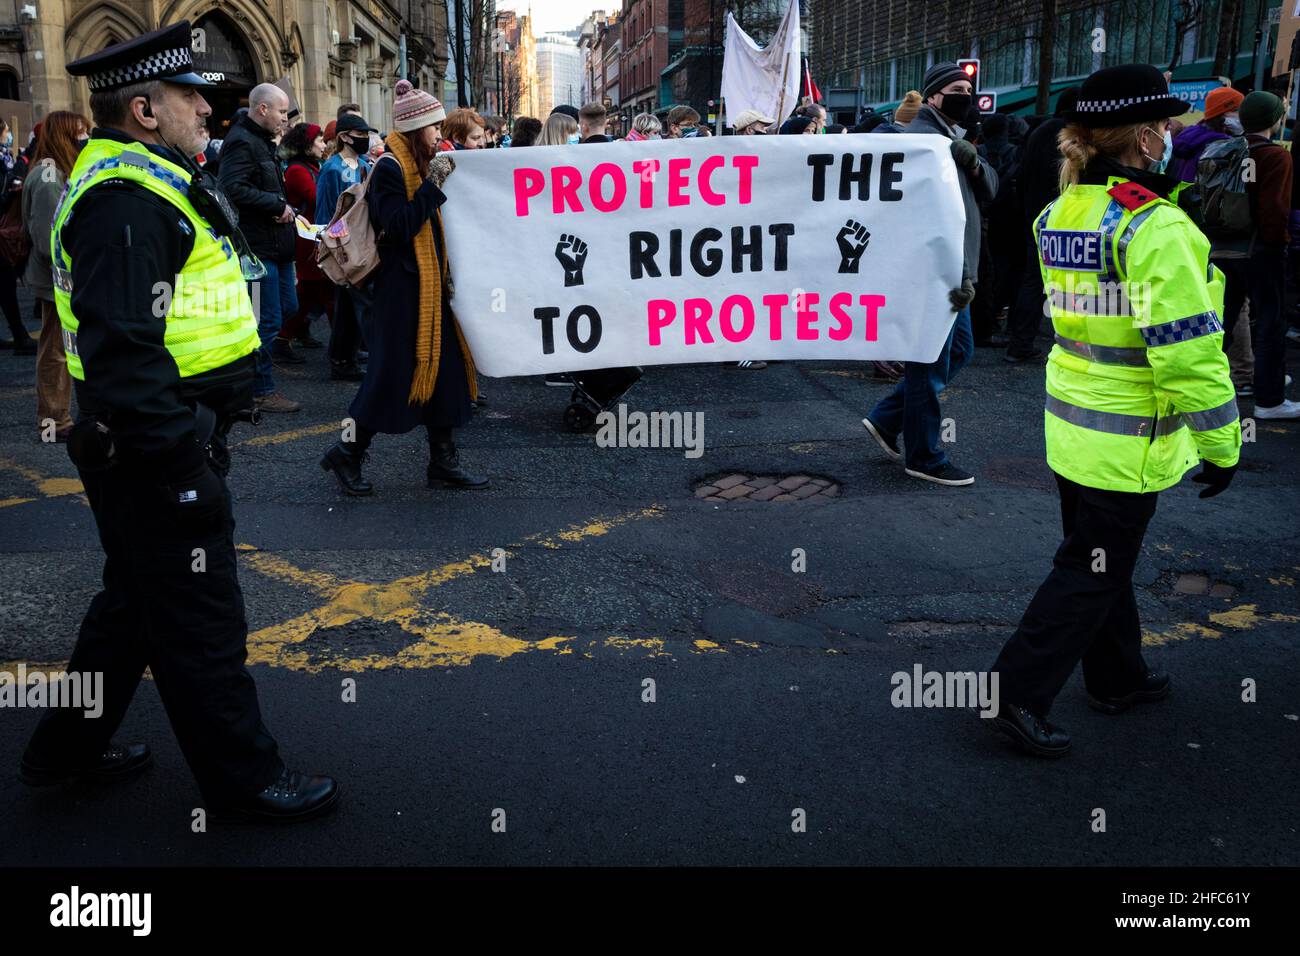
352	123
161	55
1119	95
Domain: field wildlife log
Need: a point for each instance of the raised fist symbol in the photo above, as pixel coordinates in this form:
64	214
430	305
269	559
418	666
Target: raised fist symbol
572	253
852	239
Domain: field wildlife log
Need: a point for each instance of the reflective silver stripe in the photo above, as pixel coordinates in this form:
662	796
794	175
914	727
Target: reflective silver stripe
1167	426
1110	221
1180	330
62	279
1113	301
1213	418
70	342
1105	354
1112	423
1127	236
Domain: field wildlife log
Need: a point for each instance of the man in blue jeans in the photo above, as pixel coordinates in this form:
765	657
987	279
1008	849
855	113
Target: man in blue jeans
251	178
912	409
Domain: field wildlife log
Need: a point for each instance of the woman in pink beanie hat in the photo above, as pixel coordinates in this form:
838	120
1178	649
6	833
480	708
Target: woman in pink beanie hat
420	372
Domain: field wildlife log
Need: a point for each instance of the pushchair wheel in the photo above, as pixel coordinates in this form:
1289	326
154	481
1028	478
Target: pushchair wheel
578	418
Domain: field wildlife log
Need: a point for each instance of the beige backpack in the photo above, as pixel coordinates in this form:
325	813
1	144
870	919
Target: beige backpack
348	252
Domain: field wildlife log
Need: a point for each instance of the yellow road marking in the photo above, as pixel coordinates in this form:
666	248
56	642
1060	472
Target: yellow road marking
48	487
441	639
279	438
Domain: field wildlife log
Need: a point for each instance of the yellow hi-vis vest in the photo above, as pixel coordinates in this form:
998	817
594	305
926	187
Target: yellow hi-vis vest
210	319
1137	382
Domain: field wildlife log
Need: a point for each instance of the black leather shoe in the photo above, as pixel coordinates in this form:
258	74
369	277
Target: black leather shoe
1155	686
119	762
346	372
294	797
1031	733
346	465
444	468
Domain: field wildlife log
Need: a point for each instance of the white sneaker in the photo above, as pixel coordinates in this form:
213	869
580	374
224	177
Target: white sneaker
1287	409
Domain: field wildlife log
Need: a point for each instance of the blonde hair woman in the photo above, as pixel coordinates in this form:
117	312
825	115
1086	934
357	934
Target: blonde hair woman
559	128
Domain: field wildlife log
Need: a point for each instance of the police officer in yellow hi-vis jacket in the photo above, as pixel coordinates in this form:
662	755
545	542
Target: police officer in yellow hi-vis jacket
159	331
1137	394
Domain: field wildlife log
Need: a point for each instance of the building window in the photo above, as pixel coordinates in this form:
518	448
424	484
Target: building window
876	84
1002	58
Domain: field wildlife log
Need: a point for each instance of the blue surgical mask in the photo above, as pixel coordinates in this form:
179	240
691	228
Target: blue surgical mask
1159	165
1233	125
574	138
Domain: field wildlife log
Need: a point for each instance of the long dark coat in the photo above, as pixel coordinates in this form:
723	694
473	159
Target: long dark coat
381	403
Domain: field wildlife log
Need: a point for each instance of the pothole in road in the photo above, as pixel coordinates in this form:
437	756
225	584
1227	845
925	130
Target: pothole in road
741	487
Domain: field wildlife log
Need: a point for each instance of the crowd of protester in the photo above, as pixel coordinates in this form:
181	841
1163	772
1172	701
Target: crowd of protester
285	177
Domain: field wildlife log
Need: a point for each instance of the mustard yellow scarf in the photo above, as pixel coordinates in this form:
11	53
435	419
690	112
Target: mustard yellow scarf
433	280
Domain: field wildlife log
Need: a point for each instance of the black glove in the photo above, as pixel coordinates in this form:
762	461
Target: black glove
964	153
1215	477
960	298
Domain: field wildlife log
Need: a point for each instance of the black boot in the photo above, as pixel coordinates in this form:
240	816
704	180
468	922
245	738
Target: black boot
348	371
293	797
345	462
444	468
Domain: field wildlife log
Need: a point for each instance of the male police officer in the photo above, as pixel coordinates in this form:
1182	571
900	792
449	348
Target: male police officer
160	335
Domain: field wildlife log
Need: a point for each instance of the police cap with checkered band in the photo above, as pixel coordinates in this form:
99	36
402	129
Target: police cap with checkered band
1120	95
163	54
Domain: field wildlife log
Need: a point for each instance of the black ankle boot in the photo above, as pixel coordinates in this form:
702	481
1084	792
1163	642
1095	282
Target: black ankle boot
345	462
444	468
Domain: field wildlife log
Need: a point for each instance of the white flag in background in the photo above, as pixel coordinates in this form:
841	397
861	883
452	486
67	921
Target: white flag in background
762	78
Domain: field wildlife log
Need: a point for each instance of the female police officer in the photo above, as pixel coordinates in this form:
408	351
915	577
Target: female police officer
1137	393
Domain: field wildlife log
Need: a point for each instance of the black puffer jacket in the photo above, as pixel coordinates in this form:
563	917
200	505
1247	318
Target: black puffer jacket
250	177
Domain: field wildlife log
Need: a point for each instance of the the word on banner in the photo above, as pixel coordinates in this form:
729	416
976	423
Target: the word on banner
653	253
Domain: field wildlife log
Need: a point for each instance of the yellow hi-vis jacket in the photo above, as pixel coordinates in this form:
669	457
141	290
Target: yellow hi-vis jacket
1137	382
209	316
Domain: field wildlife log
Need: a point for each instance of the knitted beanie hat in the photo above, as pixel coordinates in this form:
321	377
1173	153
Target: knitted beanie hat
1259	111
414	109
1223	100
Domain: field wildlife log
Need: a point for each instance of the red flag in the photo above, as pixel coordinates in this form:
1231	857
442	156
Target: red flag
809	87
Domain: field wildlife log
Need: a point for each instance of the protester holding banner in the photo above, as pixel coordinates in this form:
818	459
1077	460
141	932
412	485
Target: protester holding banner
1137	393
912	409
421	372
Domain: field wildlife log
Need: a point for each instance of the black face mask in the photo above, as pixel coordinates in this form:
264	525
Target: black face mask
955	105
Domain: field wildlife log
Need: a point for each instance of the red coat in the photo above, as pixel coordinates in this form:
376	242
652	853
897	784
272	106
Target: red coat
300	190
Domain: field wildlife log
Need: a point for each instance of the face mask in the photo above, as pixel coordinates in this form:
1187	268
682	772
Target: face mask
574	138
1158	165
955	105
9	139
81	142
1233	125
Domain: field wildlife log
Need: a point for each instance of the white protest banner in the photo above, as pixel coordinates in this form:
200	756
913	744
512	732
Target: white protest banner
704	250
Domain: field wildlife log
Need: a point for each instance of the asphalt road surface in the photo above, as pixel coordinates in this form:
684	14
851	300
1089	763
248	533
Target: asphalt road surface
520	695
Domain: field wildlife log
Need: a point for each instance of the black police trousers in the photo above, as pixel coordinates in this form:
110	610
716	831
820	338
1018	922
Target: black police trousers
1086	608
179	612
